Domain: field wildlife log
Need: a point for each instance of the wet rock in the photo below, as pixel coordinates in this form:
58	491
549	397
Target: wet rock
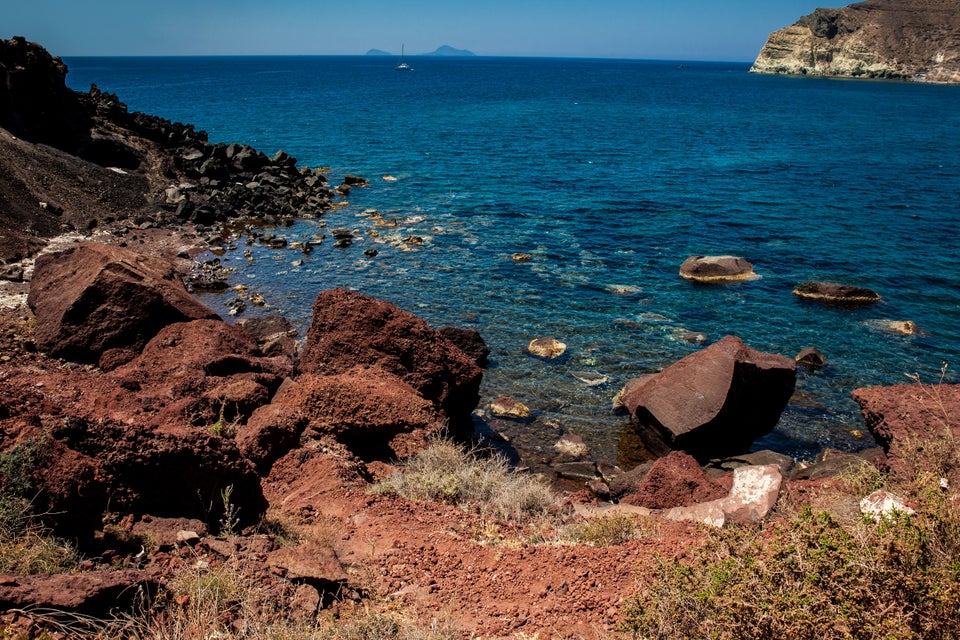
590	378
711	269
714	402
94	297
548	348
470	342
571	446
783	462
350	329
836	294
831	463
507	407
355	181
676	480
899	327
579	471
521	257
811	357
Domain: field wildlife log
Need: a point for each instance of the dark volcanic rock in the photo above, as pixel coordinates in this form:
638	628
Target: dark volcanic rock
351	329
470	342
838	294
89	162
714	402
95	297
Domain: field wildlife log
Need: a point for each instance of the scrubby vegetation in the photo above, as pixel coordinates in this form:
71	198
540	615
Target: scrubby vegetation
806	574
446	472
26	546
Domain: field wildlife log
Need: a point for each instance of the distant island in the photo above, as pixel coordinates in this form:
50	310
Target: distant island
444	51
907	39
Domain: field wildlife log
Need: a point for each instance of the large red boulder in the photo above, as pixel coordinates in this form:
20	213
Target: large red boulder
714	402
917	426
94	297
373	413
351	329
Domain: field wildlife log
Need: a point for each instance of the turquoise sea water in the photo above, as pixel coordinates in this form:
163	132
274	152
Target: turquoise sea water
609	173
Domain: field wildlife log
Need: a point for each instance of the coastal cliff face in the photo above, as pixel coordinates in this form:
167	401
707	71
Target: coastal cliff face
906	39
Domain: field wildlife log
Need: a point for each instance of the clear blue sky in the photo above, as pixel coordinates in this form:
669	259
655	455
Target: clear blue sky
659	29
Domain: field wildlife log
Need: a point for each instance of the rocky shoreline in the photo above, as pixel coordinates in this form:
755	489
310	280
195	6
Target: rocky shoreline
913	40
157	437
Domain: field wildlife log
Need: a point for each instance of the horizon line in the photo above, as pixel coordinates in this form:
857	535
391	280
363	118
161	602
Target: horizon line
387	55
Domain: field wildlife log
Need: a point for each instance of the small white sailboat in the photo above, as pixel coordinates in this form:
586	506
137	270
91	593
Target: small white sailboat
403	66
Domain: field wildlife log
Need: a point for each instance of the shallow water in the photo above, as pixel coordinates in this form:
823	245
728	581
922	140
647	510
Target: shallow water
609	173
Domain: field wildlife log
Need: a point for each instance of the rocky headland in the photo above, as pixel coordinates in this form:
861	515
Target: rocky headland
915	40
164	447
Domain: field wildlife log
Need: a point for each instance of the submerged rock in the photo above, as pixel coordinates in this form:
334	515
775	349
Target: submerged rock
548	348
506	407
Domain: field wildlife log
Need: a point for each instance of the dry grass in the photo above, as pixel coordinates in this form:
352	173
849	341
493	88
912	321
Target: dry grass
446	472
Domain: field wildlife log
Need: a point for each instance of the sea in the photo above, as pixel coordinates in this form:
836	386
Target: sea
608	173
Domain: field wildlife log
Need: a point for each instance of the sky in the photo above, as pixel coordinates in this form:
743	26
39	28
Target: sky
734	30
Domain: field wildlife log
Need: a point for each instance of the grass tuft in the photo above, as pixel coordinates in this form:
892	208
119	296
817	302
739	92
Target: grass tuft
446	472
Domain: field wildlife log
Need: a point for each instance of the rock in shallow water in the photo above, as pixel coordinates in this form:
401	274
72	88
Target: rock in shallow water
838	294
714	402
713	269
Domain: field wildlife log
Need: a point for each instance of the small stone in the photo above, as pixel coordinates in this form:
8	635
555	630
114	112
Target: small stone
811	357
188	537
521	257
548	348
572	446
506	407
880	504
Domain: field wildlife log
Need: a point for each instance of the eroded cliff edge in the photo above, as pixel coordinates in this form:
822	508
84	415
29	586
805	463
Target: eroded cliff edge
897	39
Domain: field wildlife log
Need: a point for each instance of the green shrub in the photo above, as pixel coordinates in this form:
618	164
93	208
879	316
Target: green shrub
810	578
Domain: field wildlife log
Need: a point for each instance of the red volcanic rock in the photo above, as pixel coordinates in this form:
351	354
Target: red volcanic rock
676	480
714	402
201	372
375	414
95	297
95	593
351	329
912	422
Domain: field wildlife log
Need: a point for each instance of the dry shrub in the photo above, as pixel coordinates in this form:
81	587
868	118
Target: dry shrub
446	472
611	529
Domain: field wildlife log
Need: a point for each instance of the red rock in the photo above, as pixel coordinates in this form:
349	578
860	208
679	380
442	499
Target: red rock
714	402
351	329
375	414
95	297
96	593
676	480
911	421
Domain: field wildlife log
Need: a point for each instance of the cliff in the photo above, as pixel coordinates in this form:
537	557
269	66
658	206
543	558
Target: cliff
898	39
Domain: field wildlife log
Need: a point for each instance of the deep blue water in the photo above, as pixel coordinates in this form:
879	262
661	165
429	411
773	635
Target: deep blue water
610	173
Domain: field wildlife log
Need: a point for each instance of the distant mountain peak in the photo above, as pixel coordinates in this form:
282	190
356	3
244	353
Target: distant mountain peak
378	52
